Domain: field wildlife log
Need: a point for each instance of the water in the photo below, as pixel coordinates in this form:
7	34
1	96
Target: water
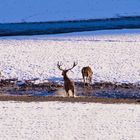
36	28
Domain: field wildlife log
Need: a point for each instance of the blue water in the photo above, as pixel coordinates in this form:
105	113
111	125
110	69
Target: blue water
9	29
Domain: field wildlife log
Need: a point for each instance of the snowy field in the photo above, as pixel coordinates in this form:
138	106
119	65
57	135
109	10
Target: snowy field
113	55
52	10
68	121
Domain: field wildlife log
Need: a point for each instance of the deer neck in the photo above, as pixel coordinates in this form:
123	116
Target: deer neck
66	77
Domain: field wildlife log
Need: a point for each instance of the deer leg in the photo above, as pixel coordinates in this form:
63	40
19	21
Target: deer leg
84	80
87	81
73	92
90	80
67	93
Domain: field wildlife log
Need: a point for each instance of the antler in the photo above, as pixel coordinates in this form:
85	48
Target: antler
74	64
59	66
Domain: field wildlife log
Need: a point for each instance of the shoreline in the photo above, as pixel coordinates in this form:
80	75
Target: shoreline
58	27
68	99
102	92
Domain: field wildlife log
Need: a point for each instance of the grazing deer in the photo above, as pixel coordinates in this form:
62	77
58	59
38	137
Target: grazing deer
68	83
87	75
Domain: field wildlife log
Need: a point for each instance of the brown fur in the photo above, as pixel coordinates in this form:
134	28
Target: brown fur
87	75
68	83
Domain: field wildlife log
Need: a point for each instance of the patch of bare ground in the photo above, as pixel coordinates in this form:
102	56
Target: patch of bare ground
102	92
68	99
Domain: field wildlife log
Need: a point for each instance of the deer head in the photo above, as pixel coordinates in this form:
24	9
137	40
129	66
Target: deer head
64	71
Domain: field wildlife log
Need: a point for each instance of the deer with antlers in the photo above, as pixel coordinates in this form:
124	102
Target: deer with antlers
68	83
87	75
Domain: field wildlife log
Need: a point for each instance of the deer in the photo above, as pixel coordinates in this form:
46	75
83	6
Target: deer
87	75
68	83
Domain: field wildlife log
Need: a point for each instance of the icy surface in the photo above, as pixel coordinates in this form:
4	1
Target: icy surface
52	10
68	121
113	55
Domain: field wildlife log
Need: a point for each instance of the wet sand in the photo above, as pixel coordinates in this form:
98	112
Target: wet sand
68	99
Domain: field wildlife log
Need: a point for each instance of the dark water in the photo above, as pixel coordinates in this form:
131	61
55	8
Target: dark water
35	28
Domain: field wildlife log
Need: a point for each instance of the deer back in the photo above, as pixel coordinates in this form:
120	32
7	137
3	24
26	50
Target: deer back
68	83
87	71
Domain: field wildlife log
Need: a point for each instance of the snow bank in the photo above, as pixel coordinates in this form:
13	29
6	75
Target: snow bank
52	10
71	121
113	55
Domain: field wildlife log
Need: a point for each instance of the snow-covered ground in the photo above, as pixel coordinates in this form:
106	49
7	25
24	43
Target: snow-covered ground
52	10
113	55
68	121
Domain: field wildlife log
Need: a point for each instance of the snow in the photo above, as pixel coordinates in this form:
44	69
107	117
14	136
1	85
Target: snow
113	56
71	121
52	10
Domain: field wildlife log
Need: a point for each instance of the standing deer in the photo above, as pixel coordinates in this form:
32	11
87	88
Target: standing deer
87	75
68	83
